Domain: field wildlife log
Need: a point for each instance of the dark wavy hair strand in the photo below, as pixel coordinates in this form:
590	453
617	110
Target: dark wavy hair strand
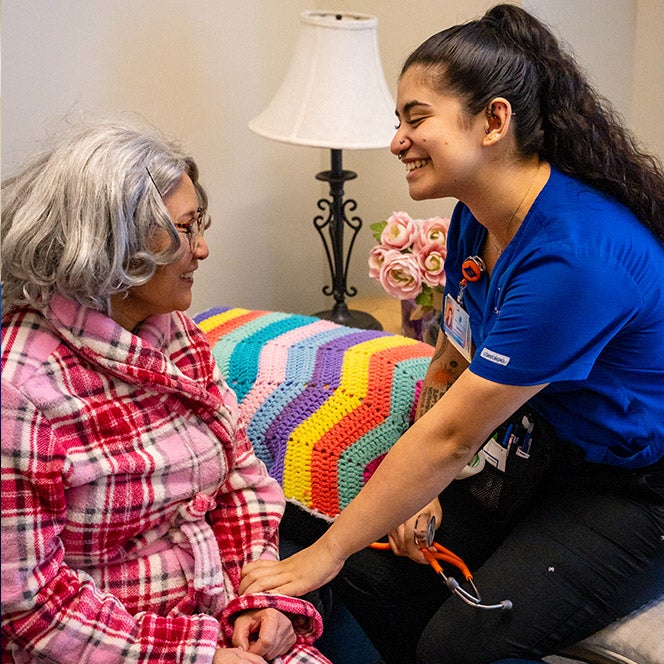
558	114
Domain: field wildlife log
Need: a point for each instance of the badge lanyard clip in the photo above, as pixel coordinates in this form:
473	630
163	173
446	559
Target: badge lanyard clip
472	269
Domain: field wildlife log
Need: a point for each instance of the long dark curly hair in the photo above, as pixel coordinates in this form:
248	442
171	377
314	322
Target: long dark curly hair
558	115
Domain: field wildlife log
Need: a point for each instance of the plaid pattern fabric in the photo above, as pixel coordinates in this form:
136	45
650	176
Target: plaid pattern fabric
131	496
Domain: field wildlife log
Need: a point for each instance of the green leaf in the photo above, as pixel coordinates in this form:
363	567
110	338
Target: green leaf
377	229
425	298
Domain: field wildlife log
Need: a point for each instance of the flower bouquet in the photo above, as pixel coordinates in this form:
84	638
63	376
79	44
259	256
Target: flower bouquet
409	263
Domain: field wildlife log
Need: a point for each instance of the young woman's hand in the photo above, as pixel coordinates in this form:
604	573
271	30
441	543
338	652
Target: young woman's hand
296	575
402	538
265	632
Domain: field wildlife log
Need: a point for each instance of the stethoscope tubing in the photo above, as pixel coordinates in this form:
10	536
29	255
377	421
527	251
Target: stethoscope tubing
454	586
433	551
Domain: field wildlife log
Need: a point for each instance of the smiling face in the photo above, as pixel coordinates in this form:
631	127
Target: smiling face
170	287
440	146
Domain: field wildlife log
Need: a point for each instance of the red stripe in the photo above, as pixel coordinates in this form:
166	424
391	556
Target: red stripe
225	328
373	411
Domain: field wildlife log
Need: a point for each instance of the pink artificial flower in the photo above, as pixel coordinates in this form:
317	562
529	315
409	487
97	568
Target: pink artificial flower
376	260
432	262
399	232
409	260
432	233
401	275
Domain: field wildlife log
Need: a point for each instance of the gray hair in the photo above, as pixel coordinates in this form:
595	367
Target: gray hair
79	219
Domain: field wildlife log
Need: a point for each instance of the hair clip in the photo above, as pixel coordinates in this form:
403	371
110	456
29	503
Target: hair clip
153	182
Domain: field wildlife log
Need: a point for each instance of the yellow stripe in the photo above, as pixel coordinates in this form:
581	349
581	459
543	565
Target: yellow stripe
208	324
346	398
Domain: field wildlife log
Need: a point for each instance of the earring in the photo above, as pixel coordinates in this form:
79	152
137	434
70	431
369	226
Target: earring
401	142
487	130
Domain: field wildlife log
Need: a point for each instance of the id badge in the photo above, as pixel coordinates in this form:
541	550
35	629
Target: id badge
456	324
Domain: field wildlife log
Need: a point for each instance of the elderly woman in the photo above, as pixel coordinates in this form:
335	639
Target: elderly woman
131	495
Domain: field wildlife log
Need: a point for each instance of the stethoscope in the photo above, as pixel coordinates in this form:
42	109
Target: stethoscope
424	532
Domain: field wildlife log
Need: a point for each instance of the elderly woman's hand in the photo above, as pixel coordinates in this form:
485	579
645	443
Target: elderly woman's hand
236	656
265	632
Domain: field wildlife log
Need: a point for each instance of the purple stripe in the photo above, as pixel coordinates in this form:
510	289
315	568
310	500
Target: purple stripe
208	313
324	381
300	365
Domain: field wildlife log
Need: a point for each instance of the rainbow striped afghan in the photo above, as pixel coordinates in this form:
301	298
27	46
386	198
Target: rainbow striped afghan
323	403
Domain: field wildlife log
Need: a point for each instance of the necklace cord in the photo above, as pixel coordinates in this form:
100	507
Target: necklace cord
496	246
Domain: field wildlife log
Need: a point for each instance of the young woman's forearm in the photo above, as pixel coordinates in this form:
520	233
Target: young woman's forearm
447	364
425	460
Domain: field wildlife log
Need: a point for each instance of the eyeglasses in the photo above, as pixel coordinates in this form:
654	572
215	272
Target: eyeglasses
195	228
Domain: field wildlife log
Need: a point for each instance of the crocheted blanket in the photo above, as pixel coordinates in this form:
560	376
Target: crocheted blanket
323	403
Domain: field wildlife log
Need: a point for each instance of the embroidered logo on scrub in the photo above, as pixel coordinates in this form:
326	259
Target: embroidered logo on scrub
496	358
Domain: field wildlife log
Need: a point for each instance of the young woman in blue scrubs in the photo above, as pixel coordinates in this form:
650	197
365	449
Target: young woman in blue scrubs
555	273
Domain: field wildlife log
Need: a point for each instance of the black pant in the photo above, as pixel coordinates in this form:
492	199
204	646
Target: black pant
585	538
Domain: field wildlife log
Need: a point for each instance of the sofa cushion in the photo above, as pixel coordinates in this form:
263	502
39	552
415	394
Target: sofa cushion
323	403
635	639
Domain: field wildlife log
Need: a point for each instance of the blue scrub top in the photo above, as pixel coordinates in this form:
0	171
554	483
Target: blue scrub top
576	300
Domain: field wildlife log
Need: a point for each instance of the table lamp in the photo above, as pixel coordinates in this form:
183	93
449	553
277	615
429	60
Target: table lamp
334	96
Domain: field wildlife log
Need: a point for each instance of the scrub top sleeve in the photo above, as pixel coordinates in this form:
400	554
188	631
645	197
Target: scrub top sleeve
554	314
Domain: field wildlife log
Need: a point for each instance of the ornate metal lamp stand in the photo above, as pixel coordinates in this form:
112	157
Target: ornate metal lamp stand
338	263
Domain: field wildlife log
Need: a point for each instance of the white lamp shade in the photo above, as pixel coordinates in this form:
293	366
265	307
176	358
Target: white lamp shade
334	94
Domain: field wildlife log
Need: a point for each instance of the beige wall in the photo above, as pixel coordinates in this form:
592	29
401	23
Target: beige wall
648	83
201	70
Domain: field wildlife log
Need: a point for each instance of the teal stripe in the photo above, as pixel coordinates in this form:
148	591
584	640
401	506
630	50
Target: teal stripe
244	358
224	347
354	459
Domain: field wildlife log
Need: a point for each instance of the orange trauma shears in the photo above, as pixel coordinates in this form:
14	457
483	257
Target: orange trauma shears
424	532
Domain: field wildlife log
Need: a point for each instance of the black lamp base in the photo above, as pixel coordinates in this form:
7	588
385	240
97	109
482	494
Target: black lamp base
338	258
351	318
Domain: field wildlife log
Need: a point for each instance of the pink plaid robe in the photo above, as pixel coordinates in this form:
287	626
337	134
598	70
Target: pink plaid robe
131	497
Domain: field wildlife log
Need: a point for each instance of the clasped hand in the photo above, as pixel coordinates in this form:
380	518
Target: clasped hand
259	636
